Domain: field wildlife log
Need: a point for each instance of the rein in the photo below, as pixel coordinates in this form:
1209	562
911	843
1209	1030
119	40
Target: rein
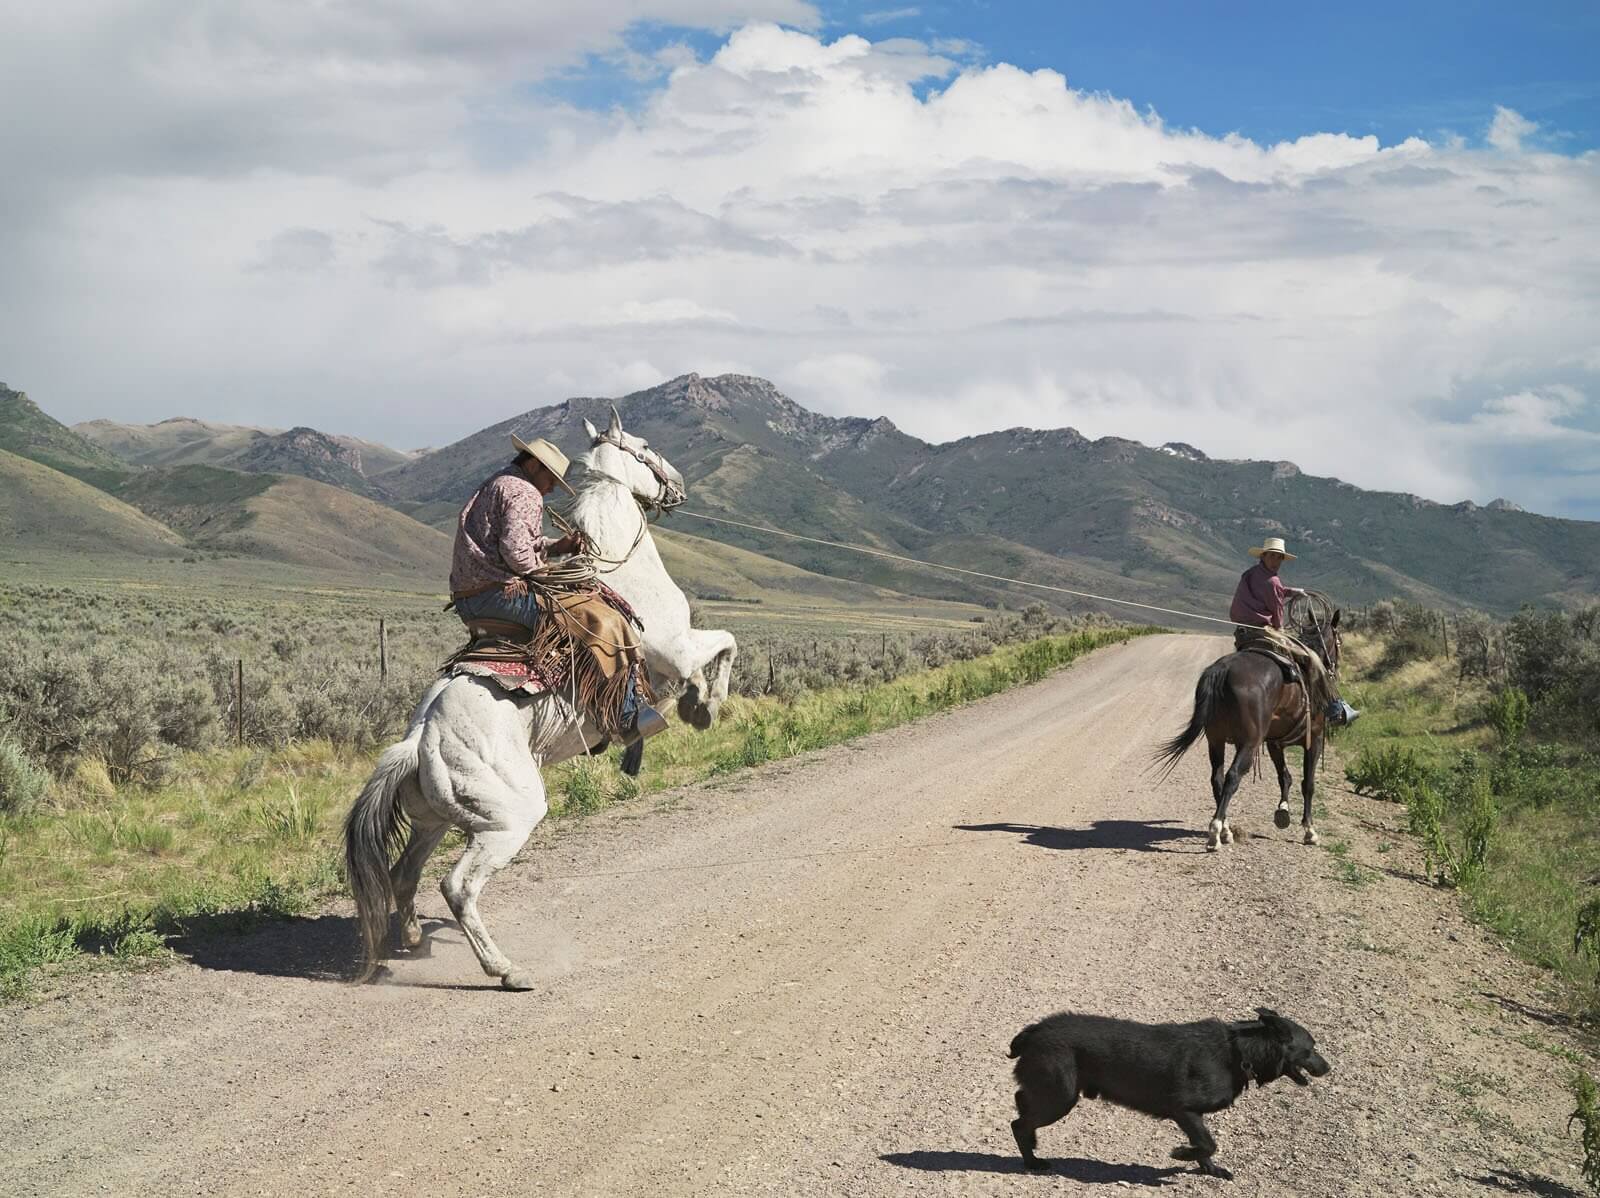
670	496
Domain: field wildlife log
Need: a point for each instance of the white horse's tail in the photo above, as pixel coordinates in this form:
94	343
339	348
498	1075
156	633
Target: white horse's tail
374	831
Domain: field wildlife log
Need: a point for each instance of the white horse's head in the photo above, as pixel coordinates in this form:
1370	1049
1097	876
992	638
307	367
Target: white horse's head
629	460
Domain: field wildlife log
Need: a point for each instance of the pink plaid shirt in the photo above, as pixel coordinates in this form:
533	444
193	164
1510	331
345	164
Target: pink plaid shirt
500	533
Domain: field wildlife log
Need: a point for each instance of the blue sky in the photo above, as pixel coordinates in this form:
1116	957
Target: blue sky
1271	71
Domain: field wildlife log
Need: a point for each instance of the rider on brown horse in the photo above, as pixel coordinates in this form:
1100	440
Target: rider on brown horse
1258	605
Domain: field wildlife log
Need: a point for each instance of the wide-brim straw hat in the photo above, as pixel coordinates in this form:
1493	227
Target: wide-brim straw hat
548	456
1272	545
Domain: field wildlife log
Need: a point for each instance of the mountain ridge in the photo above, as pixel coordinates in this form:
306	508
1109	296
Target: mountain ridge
1169	517
1167	523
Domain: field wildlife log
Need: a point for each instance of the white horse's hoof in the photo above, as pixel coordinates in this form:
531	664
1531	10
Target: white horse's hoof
518	979
1280	818
1311	836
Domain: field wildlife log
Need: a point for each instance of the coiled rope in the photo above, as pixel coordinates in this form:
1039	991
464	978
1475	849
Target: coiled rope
900	557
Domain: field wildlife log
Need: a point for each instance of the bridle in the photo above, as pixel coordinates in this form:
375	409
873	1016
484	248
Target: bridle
670	495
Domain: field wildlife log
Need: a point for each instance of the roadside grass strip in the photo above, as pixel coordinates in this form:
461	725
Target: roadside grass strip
110	875
1510	820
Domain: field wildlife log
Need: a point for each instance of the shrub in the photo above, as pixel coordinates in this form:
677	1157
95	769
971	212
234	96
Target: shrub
1385	773
1507	713
22	783
1555	659
1425	817
1588	1117
1464	795
1586	932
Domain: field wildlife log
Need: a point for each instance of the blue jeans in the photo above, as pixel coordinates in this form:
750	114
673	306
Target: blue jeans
495	605
524	610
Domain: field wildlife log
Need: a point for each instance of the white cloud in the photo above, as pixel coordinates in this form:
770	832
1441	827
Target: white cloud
1537	415
371	218
1508	129
884	16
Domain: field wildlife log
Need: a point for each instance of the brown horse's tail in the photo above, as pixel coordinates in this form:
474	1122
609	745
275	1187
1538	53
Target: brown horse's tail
1208	696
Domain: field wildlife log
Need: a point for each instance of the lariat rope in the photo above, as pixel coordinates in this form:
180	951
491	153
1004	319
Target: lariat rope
900	557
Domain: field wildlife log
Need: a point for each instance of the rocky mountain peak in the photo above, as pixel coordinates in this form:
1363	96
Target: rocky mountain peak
1503	505
304	451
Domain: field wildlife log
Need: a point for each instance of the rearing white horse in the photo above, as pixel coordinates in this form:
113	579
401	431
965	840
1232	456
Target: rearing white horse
472	755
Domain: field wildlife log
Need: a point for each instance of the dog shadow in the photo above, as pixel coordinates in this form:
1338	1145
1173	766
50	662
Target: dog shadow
1517	1182
1144	836
1076	1169
1542	1015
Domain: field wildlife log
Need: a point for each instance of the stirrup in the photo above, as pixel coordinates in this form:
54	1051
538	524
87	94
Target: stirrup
646	722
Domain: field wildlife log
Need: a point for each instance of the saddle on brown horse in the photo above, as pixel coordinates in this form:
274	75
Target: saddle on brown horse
1291	722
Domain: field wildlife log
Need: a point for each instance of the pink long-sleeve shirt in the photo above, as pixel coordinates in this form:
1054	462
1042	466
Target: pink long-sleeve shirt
500	533
1258	599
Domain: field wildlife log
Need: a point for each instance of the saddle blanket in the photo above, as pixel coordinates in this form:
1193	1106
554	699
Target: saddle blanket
511	676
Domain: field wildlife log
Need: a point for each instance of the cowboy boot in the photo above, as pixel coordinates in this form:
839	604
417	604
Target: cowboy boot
1341	714
644	723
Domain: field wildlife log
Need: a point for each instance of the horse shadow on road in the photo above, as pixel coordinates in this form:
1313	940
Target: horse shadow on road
1144	836
323	948
1073	1168
319	949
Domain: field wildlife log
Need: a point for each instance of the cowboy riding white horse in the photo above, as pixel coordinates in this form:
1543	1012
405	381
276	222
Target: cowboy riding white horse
472	755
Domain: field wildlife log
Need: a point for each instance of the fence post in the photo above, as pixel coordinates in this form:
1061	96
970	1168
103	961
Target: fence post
772	675
383	651
1444	630
238	699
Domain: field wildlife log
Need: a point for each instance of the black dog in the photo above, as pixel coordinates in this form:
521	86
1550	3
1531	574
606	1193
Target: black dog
1177	1071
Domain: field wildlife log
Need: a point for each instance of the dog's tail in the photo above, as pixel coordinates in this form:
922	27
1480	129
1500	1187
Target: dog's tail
1019	1042
1208	696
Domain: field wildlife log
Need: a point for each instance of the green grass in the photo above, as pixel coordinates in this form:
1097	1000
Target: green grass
236	835
1546	836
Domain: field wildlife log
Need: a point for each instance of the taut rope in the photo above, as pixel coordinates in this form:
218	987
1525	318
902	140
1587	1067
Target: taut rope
900	557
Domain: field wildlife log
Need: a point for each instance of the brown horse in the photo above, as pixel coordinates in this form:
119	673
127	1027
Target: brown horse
1242	699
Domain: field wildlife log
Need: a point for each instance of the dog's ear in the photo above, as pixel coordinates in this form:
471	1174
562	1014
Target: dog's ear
1276	1024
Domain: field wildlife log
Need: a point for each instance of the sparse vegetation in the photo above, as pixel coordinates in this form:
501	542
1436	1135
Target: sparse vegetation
1493	752
1587	1116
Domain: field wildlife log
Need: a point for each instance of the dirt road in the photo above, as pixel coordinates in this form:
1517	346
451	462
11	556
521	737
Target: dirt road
804	981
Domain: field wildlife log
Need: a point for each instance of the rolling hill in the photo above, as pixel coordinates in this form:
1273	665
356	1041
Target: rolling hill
44	513
289	519
346	462
29	433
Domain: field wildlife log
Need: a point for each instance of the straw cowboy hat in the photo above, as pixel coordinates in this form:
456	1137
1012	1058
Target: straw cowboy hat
1272	545
548	456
